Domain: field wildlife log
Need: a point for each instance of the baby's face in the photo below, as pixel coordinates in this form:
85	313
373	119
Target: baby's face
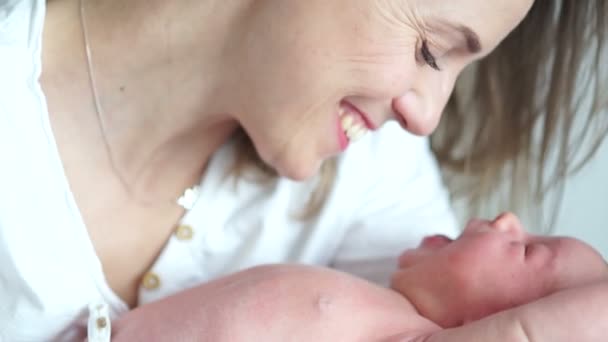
492	266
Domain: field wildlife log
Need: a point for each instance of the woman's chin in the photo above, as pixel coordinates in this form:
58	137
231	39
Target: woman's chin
297	170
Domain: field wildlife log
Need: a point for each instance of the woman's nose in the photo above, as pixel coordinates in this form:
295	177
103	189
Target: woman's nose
420	107
416	115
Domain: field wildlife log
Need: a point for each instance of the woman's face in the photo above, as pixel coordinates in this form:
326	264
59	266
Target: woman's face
315	75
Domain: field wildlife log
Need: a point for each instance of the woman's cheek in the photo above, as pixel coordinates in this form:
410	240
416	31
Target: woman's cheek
384	78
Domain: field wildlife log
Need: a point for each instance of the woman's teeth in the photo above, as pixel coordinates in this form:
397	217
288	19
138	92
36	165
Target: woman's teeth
353	129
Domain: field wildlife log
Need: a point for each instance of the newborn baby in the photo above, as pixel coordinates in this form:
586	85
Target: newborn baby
491	267
444	283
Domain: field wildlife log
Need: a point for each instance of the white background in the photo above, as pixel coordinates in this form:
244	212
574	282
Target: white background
584	211
584	208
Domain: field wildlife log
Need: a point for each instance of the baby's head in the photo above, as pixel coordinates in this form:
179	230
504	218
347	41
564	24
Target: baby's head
492	266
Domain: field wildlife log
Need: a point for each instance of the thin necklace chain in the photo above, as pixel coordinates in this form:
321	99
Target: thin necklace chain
190	195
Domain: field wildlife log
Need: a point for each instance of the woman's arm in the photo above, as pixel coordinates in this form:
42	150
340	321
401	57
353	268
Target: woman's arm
579	314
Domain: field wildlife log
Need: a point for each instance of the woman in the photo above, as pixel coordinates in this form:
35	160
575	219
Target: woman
127	106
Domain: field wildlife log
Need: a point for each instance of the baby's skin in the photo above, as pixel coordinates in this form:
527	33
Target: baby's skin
444	283
492	266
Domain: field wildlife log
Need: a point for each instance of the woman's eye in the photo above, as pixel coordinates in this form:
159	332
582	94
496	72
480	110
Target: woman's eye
428	57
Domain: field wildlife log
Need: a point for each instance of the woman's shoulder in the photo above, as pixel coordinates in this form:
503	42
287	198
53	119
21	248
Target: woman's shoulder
8	9
19	21
24	120
21	28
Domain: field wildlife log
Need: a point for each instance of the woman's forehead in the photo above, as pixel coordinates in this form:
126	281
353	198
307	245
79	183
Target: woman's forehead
490	20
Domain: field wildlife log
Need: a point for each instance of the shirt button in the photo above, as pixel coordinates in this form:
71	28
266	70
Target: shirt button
184	232
150	281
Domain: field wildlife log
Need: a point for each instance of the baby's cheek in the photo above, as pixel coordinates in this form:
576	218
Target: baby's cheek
398	281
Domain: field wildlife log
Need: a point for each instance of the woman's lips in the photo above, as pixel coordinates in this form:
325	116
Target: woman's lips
343	140
369	124
352	124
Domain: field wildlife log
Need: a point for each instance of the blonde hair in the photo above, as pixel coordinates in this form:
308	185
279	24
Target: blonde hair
514	117
514	110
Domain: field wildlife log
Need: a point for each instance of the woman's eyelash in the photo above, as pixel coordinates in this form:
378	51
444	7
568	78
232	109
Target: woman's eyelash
428	57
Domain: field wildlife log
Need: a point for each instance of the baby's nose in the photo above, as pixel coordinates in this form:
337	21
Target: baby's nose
508	223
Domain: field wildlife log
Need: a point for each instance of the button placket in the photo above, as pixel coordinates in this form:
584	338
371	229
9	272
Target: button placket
99	327
184	232
150	281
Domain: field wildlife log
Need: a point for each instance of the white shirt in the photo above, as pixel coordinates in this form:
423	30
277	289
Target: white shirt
387	195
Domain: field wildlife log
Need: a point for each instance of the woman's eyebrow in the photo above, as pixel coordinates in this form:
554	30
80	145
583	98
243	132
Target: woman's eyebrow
473	43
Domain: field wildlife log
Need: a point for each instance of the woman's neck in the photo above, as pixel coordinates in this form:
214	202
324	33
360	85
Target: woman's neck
159	68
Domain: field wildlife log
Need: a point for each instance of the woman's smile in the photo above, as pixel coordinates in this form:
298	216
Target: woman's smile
353	124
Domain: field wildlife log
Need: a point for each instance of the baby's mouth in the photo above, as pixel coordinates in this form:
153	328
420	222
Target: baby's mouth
435	241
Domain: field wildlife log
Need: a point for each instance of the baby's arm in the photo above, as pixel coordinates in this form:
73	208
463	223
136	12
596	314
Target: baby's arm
276	303
578	314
